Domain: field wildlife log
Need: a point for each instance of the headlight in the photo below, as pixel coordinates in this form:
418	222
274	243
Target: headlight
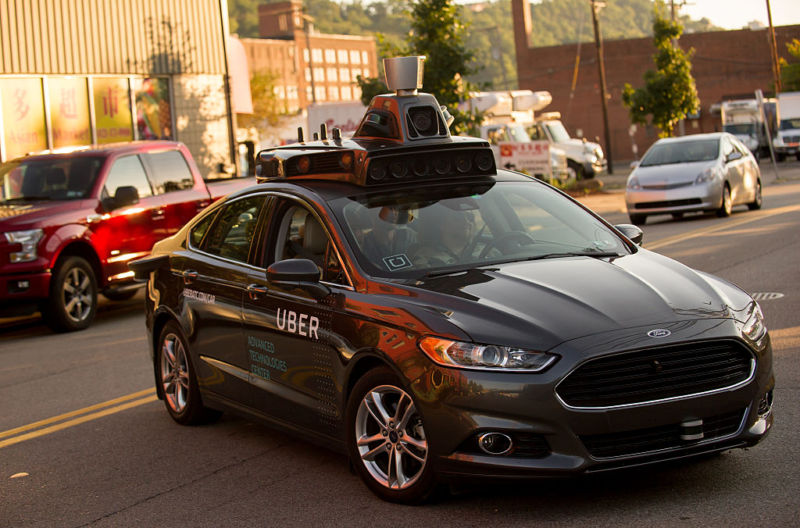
488	357
754	328
706	175
633	183
28	239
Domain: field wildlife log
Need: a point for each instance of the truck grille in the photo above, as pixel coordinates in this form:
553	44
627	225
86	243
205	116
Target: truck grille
659	438
656	374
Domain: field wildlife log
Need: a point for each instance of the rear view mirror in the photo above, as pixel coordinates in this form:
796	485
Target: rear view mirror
635	234
733	156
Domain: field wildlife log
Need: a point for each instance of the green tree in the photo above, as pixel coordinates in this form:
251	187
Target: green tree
669	91
790	72
438	33
267	107
243	17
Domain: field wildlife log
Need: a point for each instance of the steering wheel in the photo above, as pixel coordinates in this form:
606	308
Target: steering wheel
502	243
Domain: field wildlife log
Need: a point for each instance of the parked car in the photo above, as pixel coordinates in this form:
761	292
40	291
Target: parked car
703	172
399	298
71	221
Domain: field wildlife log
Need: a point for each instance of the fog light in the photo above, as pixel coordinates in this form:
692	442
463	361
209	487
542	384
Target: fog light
495	443
765	405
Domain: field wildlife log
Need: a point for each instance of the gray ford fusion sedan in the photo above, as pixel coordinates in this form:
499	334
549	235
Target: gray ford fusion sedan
398	298
702	172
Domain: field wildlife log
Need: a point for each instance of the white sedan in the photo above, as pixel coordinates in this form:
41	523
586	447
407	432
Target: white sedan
703	172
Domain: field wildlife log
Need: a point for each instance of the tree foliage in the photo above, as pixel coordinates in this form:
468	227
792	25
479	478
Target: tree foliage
267	107
790	72
669	93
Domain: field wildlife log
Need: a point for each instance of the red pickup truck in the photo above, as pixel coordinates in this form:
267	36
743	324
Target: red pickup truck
70	222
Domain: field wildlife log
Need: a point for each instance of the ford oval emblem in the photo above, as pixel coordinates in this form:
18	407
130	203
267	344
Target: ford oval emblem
659	332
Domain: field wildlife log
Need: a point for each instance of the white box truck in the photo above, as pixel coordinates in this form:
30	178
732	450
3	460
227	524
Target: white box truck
788	141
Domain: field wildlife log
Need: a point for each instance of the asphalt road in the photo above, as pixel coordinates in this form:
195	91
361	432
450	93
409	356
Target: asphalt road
84	443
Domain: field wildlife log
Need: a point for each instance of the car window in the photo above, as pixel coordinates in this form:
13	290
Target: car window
299	234
232	232
727	147
200	229
408	234
63	178
168	171
127	171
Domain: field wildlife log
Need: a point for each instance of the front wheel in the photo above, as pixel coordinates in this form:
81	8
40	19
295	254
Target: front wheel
757	199
727	203
386	440
177	381
73	296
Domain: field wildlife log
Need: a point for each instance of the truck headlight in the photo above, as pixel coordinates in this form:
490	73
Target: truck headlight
450	353
29	239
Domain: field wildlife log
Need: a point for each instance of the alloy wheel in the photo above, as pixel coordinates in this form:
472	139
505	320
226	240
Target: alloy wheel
390	438
174	373
77	293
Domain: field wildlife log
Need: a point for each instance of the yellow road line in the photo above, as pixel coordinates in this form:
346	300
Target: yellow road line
76	421
41	423
752	217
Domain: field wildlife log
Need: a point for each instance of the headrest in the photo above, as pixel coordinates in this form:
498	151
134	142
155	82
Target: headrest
314	237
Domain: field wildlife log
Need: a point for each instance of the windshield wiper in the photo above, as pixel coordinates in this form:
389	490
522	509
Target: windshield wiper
596	254
25	199
444	273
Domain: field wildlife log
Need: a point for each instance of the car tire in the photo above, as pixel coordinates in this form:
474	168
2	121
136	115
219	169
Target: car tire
120	295
727	203
72	303
176	379
577	169
385	432
638	219
758	199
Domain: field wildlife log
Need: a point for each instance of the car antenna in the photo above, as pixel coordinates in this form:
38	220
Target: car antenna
323	131
336	132
300	138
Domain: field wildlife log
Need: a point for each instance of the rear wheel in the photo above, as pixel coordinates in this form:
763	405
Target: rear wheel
73	296
727	204
757	199
386	440
637	219
177	380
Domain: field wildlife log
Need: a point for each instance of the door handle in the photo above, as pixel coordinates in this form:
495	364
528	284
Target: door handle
157	214
254	290
189	276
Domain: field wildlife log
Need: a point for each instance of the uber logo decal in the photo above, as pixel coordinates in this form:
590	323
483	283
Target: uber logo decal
303	324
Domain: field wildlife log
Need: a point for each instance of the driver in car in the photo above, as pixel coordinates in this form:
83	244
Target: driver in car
447	239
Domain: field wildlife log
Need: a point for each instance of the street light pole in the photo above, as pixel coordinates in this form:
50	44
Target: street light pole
598	41
776	69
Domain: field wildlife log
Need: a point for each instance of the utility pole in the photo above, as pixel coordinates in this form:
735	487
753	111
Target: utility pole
776	69
307	20
597	5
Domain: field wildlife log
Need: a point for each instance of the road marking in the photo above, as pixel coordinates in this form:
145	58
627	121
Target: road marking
752	217
79	416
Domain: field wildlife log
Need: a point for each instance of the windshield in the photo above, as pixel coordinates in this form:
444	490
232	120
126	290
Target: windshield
790	124
681	152
447	229
741	129
48	179
557	131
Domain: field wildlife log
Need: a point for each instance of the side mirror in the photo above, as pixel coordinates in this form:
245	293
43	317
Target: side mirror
123	197
634	164
297	274
635	234
733	156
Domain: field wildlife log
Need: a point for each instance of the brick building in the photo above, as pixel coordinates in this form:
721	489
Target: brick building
331	66
726	64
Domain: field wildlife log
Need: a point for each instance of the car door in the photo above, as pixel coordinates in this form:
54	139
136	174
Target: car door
124	231
215	271
750	172
292	350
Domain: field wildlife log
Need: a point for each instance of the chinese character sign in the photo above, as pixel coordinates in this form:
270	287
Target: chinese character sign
112	110
23	116
69	111
532	157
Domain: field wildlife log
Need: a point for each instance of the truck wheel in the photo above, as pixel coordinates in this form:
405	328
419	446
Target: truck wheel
73	296
727	204
575	168
386	440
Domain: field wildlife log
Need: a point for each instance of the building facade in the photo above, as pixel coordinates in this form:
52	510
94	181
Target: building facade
726	65
76	72
310	67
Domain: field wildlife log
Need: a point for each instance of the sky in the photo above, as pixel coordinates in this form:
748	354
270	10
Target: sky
735	14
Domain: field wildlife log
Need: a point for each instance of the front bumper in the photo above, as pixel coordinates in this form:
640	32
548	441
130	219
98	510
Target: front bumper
552	439
688	198
598	168
19	292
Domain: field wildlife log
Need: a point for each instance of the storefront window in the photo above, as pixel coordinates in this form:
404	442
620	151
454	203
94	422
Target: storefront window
23	116
112	110
69	111
153	112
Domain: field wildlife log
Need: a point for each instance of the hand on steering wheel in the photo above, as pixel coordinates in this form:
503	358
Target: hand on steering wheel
503	243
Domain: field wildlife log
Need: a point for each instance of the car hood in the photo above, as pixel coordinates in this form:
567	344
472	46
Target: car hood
35	213
672	173
544	303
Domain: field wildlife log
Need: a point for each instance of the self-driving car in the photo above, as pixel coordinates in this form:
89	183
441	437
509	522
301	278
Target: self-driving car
397	297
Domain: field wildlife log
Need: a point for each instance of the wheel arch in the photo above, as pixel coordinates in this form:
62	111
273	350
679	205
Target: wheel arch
361	364
160	320
84	250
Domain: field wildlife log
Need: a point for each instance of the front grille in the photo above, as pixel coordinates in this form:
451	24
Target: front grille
667	186
658	438
668	203
656	374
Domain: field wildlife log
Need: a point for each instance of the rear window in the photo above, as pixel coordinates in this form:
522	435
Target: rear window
169	171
